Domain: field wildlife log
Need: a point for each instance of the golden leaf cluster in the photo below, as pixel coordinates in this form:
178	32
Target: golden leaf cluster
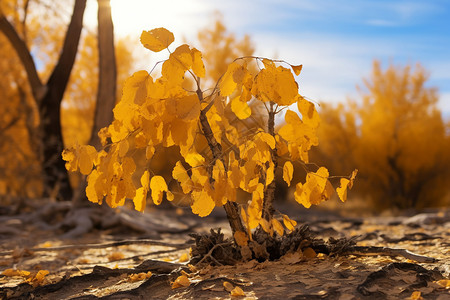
159	112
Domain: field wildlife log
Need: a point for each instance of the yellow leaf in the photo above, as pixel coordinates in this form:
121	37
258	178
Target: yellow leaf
71	162
227	83
39	278
157	39
240	108
276	84
184	257
181	281
277	227
444	283
149	151
342	190
309	112
270	174
202	204
352	178
12	272
288	171
86	156
218	172
158	186
267	138
140	200
139	276
315	190
194	159
186	108
237	292
297	69
176	66
179	173
115	256
145	180
416	295
241	238
123	148
266	226
94	191
228	286
197	63
288	223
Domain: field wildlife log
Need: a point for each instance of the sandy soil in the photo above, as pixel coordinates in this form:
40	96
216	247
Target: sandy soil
91	267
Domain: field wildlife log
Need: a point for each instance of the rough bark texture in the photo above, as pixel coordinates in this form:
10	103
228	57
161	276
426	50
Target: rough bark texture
107	86
231	208
269	193
106	94
56	178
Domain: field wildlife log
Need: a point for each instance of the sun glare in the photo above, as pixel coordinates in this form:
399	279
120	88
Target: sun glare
131	17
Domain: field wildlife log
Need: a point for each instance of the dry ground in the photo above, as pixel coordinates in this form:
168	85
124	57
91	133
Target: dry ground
91	267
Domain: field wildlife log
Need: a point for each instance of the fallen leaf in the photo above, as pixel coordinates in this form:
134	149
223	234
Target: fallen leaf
237	292
228	286
309	253
184	257
115	256
181	281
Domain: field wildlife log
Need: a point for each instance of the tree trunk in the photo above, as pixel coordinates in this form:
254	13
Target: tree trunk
231	208
107	83
107	86
56	177
48	98
269	193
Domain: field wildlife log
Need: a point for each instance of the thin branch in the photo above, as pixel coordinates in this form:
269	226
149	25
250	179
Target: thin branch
19	45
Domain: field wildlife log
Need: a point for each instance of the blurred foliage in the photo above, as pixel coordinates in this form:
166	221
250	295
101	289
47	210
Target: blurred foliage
395	136
37	22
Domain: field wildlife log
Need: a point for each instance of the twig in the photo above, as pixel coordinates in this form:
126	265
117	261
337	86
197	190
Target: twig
106	245
209	254
362	250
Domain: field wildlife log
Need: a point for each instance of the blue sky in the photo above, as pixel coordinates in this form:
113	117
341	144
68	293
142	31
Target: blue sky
336	41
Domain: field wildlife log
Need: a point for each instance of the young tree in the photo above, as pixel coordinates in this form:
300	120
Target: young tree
396	138
159	111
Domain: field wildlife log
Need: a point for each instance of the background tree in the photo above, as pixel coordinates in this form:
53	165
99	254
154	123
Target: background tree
47	96
395	136
21	160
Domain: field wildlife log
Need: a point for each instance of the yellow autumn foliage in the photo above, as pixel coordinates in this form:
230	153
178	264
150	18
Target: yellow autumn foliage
395	136
156	111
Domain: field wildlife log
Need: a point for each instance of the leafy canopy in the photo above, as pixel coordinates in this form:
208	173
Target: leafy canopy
157	110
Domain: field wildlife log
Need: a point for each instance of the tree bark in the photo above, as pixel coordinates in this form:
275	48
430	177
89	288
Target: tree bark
56	179
269	193
48	98
231	208
107	84
107	87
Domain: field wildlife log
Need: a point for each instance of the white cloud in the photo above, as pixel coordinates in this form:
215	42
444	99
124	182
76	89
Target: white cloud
300	32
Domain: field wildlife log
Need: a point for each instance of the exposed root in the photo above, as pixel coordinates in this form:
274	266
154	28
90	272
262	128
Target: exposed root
213	249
